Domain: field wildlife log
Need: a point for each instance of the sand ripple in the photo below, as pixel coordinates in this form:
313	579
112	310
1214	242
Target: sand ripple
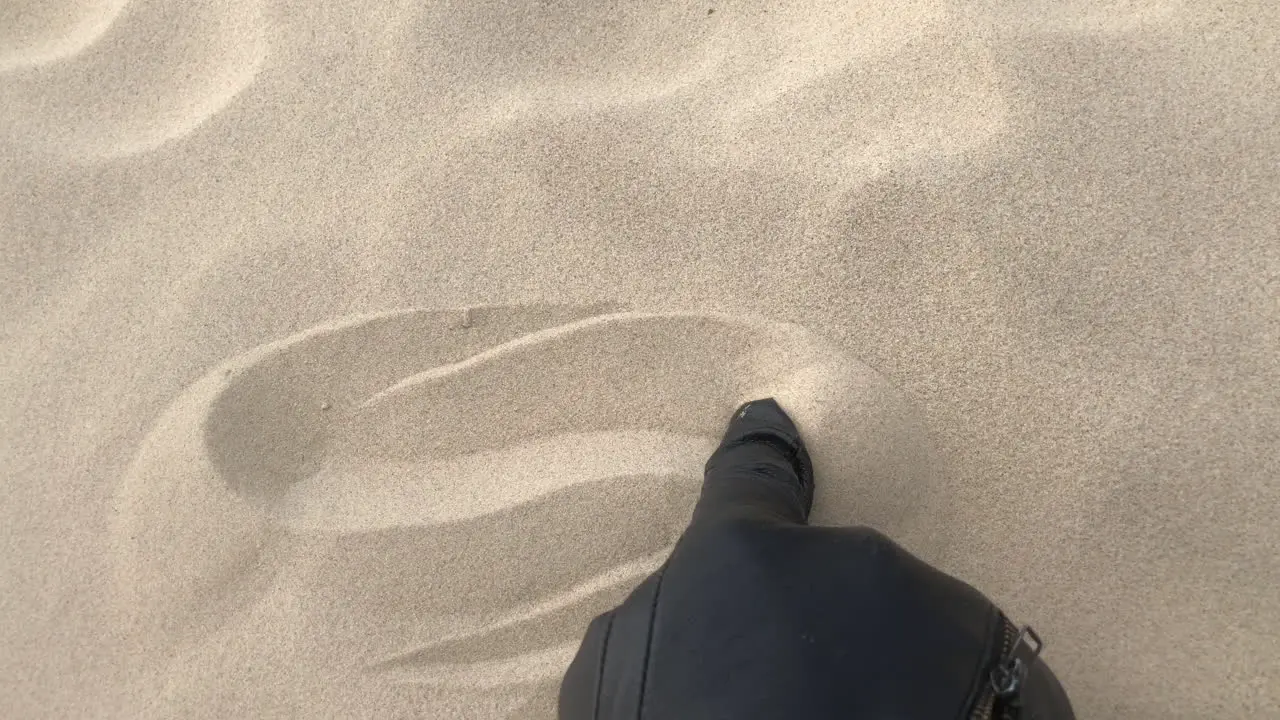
509	471
38	32
93	80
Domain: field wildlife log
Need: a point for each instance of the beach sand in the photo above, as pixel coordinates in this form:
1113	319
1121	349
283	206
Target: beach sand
355	356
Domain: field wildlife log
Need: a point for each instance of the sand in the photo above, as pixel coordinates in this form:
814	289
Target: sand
354	356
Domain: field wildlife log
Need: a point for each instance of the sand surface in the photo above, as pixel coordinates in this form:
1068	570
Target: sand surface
353	356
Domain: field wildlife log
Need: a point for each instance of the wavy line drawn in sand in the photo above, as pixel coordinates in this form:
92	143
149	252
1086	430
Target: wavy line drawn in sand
122	80
464	487
515	647
477	484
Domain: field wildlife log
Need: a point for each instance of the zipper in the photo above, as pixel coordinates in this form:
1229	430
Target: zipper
983	708
1001	697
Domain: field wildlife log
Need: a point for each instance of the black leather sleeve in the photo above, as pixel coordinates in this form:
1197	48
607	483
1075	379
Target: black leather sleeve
580	690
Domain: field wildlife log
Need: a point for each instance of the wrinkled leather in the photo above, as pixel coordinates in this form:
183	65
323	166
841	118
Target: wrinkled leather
757	615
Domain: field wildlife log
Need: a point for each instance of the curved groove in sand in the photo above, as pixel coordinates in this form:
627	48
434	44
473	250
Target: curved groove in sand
458	459
478	646
546	341
122	81
358	494
189	513
516	670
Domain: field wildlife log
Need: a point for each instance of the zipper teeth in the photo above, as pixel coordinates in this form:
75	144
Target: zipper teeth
985	707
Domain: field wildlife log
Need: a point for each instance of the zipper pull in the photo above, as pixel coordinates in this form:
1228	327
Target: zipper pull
1011	671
